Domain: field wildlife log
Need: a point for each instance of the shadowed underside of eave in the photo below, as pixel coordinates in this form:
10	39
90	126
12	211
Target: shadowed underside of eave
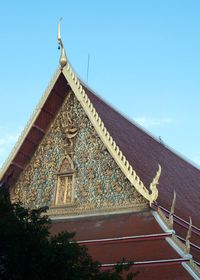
32	136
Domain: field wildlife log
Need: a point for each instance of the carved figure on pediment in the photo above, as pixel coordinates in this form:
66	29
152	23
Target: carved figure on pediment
71	140
91	174
36	164
66	165
99	189
117	187
82	191
68	129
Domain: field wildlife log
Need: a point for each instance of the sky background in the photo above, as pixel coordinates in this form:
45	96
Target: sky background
144	60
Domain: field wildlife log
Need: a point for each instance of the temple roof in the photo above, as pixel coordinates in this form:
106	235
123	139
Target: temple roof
144	153
132	236
138	155
141	150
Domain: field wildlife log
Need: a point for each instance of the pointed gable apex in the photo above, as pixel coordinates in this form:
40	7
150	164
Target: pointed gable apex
36	129
81	94
134	150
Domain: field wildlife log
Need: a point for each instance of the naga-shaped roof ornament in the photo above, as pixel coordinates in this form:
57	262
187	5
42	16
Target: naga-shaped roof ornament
153	186
171	214
63	57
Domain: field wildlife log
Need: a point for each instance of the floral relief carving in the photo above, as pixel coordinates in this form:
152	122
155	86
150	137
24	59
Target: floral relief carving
97	182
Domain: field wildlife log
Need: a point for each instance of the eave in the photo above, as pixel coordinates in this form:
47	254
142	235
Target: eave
35	130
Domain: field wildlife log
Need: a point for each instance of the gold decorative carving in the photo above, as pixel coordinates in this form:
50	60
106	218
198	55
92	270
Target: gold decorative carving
187	240
92	114
179	243
63	57
66	165
164	218
68	129
153	186
96	121
64	190
171	214
82	191
65	182
107	139
194	267
90	209
185	247
97	181
117	187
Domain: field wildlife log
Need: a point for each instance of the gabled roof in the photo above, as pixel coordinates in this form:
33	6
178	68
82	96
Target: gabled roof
144	153
137	238
43	116
35	129
135	151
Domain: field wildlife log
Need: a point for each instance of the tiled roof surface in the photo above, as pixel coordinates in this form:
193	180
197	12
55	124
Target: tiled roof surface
164	272
115	225
118	225
144	153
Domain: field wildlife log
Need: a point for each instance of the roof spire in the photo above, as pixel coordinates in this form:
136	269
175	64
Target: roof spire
63	58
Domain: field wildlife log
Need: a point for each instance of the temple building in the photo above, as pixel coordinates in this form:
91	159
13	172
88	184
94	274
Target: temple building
124	193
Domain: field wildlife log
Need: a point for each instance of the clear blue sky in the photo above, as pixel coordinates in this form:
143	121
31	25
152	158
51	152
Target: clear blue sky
144	60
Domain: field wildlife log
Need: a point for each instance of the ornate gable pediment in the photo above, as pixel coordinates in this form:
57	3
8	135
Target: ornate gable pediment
72	170
67	130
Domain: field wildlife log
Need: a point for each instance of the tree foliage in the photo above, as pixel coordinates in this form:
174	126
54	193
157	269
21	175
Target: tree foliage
27	251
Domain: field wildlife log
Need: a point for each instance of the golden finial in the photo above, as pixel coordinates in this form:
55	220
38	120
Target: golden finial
63	58
171	214
187	241
153	186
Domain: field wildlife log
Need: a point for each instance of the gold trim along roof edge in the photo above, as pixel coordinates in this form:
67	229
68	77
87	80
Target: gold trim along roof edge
114	150
107	139
30	123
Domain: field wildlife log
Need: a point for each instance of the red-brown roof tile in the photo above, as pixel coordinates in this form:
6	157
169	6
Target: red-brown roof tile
144	153
108	226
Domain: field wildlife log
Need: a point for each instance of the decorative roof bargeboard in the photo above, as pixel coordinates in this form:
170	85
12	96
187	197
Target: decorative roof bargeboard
98	124
107	139
103	133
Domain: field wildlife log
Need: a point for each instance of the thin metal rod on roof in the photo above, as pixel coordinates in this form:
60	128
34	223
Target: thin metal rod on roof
88	66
